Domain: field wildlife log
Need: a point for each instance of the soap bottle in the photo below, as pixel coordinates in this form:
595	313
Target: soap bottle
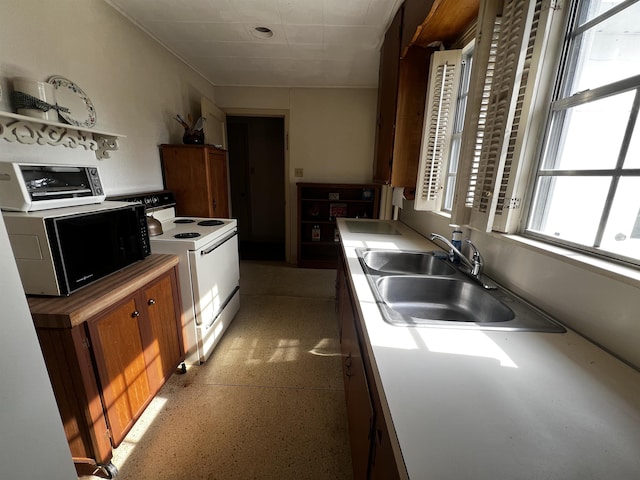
456	241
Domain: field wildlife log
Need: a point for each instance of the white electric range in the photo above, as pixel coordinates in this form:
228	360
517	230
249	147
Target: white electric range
209	271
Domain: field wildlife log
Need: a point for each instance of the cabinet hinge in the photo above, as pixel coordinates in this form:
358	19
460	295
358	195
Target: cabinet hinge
107	433
514	203
86	344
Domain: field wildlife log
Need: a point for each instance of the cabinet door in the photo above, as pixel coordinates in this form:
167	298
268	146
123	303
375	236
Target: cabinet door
186	174
219	189
387	97
119	354
359	407
383	462
71	371
163	350
412	91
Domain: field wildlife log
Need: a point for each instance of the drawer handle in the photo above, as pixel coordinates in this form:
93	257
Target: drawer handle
135	314
151	301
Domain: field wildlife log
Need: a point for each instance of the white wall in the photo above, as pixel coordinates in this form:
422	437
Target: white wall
331	134
136	86
32	440
596	303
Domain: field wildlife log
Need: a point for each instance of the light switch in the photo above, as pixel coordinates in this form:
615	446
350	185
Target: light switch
299	172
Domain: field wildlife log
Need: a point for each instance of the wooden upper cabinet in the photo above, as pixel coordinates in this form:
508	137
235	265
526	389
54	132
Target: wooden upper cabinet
446	21
401	98
197	175
415	12
412	91
387	99
403	81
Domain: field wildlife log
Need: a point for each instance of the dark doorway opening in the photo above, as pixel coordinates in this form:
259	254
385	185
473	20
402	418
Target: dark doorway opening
256	172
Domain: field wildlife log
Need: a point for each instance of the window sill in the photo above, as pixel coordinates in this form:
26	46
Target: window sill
599	266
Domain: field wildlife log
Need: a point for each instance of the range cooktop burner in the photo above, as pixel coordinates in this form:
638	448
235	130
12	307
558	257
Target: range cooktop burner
184	220
187	235
210	223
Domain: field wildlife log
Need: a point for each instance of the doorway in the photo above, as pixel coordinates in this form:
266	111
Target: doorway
256	174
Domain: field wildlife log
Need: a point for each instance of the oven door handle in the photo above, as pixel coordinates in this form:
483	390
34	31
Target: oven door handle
217	244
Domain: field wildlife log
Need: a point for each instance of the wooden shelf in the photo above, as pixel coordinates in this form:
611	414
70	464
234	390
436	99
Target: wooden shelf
34	131
315	202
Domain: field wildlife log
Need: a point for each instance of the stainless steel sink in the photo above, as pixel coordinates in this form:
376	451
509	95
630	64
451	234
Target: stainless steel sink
437	298
419	289
394	261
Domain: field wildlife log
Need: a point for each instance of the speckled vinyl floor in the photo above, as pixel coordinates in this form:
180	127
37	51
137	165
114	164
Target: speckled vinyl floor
268	404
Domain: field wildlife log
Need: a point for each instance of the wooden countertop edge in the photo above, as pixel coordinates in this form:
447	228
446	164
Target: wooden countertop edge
77	308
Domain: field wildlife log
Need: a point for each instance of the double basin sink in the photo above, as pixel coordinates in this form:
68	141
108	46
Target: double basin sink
421	289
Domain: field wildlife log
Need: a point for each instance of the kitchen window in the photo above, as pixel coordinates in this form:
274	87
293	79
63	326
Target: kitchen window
458	124
585	193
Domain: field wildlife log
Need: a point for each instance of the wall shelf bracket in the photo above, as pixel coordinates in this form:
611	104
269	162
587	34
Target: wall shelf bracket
33	131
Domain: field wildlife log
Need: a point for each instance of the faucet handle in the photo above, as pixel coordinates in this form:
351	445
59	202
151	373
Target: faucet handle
476	258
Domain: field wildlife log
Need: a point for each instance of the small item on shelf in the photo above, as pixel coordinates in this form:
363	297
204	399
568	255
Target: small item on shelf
337	210
314	210
35	99
315	233
79	109
192	135
336	235
367	194
334	196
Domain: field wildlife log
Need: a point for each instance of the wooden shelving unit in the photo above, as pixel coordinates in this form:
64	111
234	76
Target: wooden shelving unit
318	206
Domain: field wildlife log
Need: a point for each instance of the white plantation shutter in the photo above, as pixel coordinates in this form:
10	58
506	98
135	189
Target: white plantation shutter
439	117
521	142
482	117
512	45
482	73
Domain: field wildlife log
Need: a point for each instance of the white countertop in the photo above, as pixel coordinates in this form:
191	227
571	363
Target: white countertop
473	404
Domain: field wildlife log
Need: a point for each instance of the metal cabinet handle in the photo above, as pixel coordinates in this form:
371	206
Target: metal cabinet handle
151	301
135	314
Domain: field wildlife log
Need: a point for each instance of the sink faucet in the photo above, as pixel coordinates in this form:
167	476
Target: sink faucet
475	265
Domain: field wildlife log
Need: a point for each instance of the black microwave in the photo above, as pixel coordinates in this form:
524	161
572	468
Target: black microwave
61	250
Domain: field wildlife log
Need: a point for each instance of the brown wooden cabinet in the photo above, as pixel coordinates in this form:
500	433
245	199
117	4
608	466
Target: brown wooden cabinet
318	206
372	453
388	74
198	176
403	80
402	89
356	390
108	349
415	11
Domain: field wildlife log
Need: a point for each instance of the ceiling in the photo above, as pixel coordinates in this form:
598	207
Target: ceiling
315	43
